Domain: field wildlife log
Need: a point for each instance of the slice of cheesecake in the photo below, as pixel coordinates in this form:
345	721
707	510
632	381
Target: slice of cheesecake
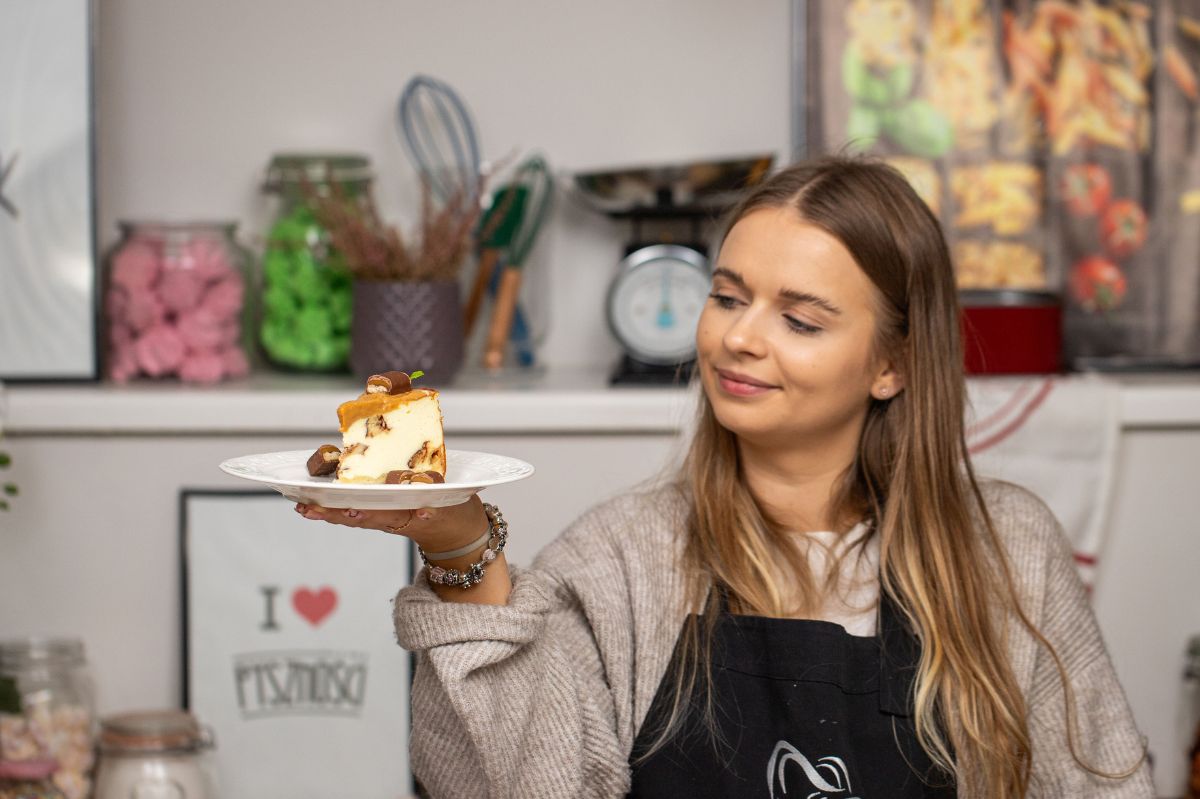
390	427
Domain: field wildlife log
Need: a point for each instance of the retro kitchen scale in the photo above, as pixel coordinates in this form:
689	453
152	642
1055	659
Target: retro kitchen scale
661	284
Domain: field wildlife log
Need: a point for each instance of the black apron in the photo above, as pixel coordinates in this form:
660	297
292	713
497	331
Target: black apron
804	709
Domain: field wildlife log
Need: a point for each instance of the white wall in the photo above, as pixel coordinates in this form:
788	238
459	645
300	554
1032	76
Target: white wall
194	97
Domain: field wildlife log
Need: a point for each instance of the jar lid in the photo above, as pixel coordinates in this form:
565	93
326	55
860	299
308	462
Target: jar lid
291	168
152	731
164	229
1007	297
15	653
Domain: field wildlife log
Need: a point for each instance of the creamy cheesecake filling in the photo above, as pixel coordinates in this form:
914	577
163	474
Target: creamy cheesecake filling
383	434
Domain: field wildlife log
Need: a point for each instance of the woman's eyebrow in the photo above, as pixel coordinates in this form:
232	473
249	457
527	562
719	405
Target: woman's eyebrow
791	295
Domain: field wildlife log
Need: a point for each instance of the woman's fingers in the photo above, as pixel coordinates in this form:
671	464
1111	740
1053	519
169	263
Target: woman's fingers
390	521
345	516
433	529
325	514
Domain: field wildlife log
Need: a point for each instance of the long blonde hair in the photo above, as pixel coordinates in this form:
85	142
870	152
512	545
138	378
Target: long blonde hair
912	478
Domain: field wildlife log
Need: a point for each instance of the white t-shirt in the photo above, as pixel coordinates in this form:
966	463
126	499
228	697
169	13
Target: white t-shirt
855	600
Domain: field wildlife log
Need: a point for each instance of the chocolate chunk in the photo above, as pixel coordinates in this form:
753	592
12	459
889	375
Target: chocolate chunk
376	425
408	476
419	455
389	383
324	461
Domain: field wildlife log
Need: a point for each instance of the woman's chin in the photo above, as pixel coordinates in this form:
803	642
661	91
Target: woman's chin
746	425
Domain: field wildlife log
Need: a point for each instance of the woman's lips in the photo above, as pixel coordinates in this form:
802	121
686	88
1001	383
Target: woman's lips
740	389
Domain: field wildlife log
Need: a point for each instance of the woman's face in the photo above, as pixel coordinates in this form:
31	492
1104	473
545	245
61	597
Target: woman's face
790	311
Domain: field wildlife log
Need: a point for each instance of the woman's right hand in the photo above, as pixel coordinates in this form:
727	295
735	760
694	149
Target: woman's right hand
433	530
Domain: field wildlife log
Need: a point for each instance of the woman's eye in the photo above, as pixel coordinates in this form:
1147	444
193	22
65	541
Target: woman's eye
722	300
796	326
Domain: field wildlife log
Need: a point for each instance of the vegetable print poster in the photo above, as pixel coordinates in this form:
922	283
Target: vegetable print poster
1057	141
290	657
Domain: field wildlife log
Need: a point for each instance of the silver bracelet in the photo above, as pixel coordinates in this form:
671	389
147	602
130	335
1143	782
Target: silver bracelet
497	537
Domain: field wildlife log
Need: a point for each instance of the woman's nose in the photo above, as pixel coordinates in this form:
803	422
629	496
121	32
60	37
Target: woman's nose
744	334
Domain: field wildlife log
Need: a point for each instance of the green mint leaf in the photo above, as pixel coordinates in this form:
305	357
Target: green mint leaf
416	374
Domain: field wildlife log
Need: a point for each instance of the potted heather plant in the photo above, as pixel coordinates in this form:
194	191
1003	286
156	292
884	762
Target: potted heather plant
407	311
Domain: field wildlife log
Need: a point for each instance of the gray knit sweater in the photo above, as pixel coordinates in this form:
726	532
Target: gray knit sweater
544	697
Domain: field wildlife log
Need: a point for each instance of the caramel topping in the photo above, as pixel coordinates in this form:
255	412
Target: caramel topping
377	404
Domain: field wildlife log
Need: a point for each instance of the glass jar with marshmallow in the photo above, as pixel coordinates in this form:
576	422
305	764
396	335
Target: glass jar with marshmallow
175	303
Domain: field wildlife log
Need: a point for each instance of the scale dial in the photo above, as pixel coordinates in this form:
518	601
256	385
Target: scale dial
655	302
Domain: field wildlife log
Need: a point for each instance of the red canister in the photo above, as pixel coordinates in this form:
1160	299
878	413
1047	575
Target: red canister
1008	331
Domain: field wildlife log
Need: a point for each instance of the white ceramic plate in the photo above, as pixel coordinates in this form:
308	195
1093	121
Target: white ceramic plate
467	473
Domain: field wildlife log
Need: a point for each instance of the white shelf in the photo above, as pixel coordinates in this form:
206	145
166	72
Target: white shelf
560	401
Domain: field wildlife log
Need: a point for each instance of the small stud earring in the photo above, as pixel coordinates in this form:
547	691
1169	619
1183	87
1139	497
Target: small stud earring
883	392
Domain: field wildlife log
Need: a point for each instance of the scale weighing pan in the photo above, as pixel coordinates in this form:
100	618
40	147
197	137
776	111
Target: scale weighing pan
690	185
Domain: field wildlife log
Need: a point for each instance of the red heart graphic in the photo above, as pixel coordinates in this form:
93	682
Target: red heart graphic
314	605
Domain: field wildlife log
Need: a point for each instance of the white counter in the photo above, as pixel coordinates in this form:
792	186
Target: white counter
555	402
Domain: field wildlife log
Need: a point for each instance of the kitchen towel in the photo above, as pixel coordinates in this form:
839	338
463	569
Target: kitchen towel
1058	436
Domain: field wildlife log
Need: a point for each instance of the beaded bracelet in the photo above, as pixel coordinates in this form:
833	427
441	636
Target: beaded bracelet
473	574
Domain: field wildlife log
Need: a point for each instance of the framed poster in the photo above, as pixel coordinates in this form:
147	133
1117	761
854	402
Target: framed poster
289	651
48	292
1056	141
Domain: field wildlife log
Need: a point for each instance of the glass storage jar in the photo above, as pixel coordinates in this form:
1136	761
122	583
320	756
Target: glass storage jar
154	753
47	709
306	289
175	302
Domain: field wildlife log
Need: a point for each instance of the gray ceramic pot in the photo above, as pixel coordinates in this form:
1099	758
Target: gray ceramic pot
407	326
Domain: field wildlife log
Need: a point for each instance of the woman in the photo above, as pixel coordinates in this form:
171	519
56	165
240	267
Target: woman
823	602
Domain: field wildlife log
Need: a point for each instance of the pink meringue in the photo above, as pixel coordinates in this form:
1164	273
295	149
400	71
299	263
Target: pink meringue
144	310
136	265
235	362
159	350
180	290
122	362
116	302
209	258
224	297
202	367
120	334
231	332
200	330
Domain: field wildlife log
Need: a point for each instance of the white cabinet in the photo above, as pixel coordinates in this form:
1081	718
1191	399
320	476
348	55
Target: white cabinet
91	546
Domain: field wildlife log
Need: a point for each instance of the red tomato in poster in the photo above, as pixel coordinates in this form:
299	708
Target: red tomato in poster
1123	228
1097	284
1086	188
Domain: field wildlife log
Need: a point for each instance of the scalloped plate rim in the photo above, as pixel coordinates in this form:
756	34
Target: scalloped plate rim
520	470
